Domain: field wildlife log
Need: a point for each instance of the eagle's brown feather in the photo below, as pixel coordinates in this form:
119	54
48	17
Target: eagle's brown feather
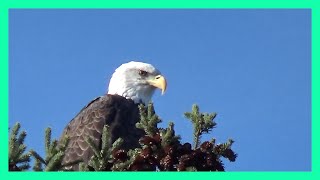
119	113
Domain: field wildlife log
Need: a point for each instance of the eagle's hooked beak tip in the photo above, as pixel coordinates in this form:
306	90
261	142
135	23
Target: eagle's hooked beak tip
162	92
159	82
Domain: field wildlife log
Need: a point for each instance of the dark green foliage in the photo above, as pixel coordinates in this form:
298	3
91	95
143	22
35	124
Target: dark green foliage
161	149
103	159
18	159
148	120
225	150
123	160
202	123
54	154
168	136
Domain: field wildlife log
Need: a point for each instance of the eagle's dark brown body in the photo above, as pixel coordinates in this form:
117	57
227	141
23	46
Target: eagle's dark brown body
119	113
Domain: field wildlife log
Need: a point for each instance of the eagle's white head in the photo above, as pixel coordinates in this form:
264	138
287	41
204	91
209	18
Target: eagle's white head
136	81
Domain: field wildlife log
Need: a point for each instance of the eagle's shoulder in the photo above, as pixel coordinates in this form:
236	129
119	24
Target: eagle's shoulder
97	109
119	113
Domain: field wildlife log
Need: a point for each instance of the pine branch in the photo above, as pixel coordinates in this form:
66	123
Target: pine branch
83	167
123	160
168	136
225	150
48	141
18	159
106	141
161	149
37	157
37	165
93	146
103	159
202	123
117	144
55	163
148	119
54	154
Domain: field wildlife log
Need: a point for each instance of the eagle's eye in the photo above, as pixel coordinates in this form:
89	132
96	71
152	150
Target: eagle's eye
143	73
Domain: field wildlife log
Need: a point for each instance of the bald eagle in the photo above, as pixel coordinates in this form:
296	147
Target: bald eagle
131	84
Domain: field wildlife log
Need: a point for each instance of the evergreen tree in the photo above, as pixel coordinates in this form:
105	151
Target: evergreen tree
18	159
161	149
54	154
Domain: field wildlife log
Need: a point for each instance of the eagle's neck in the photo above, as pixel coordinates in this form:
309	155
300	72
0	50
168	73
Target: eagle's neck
139	93
144	98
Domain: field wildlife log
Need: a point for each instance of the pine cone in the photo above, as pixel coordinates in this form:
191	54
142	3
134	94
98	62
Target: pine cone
149	141
167	163
218	149
181	167
183	149
186	160
209	160
120	155
168	150
146	153
217	166
228	153
157	138
205	146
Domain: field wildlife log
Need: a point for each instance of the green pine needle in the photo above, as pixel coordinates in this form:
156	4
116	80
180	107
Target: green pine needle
17	156
47	139
202	123
54	154
117	144
83	167
105	140
22	137
148	119
37	156
103	158
168	135
55	163
37	165
93	146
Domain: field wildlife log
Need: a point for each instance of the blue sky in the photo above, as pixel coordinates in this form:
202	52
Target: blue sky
252	67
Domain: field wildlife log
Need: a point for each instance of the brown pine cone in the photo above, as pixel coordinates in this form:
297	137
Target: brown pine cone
120	155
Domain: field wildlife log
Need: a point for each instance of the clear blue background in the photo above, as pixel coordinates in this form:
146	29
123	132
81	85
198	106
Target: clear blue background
252	67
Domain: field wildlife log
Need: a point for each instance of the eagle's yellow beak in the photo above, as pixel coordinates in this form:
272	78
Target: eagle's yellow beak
159	82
